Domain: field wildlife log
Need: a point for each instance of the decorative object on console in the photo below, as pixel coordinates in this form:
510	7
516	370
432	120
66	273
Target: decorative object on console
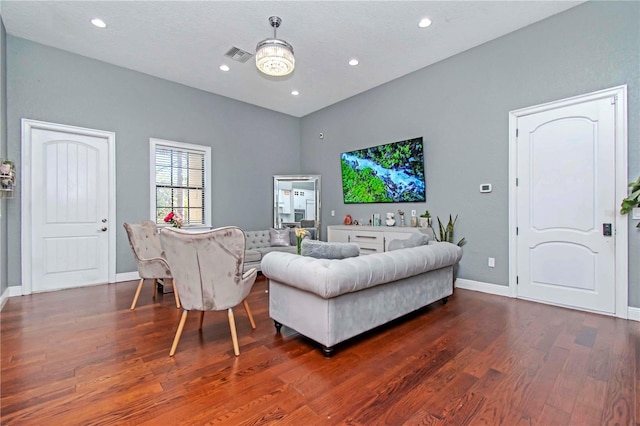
401	214
390	219
414	219
425	219
390	173
7	178
274	57
347	220
280	237
633	200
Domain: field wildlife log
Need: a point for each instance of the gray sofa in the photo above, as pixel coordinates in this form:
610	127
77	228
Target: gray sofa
258	244
332	300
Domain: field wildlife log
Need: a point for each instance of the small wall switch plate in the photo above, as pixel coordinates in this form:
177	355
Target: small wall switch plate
413	212
333	212
635	213
492	262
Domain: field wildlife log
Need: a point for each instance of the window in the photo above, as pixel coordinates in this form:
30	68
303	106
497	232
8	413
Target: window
180	181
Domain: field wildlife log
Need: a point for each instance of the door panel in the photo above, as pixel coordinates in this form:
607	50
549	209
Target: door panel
566	191
70	196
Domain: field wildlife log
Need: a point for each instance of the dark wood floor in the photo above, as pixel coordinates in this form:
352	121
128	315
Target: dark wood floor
81	357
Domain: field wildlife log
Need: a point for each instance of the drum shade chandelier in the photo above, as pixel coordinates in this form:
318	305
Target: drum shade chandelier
273	56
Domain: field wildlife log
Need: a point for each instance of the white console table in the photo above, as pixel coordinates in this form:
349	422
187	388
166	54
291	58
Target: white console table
372	239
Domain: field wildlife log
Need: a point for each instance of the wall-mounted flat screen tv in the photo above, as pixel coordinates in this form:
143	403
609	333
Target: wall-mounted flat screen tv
389	173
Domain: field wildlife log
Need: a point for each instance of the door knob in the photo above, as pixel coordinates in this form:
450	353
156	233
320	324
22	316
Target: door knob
104	220
104	229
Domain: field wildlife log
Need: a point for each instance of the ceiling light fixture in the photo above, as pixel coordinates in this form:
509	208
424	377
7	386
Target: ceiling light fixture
273	56
295	93
424	22
224	67
353	62
99	23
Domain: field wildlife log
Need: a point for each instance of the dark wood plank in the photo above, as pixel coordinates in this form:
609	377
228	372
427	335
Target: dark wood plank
80	357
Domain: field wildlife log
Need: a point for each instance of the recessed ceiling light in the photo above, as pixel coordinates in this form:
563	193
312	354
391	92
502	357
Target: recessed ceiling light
353	62
295	93
424	22
99	23
224	68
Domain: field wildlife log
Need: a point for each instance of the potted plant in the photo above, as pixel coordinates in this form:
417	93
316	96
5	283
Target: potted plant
425	219
633	200
446	232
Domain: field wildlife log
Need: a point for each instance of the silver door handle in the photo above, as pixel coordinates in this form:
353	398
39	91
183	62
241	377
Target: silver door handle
104	229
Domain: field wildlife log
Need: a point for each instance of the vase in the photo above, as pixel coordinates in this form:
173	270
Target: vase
299	243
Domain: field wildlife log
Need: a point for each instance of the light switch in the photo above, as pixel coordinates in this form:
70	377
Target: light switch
635	213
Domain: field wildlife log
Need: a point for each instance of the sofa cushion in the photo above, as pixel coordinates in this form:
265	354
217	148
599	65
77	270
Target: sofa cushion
252	256
257	239
324	250
414	240
280	237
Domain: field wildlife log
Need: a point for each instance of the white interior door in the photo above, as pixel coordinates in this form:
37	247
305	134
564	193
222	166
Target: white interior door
71	207
566	205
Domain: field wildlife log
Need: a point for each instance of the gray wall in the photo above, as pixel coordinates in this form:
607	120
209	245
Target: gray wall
249	144
3	153
460	106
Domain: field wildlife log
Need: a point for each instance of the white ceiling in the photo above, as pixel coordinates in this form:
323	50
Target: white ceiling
185	41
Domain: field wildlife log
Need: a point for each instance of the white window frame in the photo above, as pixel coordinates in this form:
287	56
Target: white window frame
206	150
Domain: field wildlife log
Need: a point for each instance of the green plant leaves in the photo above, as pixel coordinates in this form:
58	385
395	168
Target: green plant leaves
633	200
446	231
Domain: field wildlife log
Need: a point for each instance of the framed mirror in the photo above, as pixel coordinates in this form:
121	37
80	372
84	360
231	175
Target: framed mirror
296	203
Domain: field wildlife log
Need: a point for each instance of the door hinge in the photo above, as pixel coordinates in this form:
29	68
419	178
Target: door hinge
516	181
517	280
517	133
517	231
614	99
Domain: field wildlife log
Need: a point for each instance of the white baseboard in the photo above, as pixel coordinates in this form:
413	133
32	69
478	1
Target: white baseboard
4	297
498	290
9	292
127	276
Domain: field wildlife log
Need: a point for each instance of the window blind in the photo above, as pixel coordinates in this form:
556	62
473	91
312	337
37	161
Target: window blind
180	179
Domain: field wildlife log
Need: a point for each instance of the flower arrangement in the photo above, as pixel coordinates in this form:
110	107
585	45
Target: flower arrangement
175	219
300	234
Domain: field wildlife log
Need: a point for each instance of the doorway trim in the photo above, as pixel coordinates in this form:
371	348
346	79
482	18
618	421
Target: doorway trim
28	126
621	225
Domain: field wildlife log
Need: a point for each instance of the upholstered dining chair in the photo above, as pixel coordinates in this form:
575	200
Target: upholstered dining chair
145	243
207	269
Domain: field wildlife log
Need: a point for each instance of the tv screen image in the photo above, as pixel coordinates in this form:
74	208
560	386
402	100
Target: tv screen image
389	173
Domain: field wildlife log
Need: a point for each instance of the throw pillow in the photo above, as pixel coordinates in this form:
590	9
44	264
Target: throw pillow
279	237
414	240
324	250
